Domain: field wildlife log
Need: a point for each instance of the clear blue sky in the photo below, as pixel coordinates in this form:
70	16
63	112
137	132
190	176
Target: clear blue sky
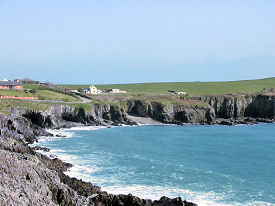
120	41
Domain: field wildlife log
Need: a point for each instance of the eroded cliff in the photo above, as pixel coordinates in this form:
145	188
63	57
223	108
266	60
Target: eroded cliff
225	109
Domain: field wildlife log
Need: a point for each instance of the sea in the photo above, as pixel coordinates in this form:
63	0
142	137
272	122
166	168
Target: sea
207	165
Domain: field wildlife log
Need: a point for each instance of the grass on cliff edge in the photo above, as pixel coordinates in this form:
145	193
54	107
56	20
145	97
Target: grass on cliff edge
7	104
192	88
41	92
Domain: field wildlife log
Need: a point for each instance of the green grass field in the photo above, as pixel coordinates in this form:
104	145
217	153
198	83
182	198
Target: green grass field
192	88
7	104
41	92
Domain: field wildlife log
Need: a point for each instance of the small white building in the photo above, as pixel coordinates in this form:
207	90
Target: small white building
116	91
181	93
74	91
91	90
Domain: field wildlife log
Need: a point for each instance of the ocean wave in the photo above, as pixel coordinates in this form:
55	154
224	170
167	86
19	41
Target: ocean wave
85	128
84	171
200	198
80	169
62	133
66	133
48	154
57	134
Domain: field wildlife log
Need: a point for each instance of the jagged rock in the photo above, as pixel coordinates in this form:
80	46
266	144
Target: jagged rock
45	149
240	106
24	180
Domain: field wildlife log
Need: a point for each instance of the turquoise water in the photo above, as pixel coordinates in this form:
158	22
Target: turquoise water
210	165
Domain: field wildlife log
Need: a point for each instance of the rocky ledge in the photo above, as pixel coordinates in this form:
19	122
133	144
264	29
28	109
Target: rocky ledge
30	178
225	110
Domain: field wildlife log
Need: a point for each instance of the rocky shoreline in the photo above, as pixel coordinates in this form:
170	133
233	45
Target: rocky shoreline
30	178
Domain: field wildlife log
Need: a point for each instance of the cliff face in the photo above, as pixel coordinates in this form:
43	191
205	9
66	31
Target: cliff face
171	113
228	106
262	106
231	108
240	106
24	179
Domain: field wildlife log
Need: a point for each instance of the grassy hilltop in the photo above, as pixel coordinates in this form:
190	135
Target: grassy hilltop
192	88
41	92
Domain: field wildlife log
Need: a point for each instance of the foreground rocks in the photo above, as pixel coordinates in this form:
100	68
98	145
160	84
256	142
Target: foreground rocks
30	178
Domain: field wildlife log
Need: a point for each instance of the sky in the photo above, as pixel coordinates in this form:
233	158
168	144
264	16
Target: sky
128	41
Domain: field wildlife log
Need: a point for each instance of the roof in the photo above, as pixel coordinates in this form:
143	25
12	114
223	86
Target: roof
9	83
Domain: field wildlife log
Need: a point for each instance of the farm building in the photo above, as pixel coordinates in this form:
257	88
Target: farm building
10	85
115	91
91	90
178	92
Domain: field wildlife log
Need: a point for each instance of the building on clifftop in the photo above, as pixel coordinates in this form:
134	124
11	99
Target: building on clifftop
10	85
91	90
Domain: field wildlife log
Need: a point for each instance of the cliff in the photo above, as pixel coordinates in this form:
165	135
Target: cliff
243	107
225	109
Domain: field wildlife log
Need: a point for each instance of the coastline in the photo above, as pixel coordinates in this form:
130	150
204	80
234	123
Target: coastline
23	126
116	189
75	171
31	170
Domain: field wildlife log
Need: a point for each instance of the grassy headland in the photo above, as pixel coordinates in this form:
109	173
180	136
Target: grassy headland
192	88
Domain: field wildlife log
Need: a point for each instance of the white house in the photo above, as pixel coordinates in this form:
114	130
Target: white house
181	93
116	91
74	91
91	90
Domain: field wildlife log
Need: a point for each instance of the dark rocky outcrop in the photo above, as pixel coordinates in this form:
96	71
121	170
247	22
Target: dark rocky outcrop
45	149
203	110
242	107
171	113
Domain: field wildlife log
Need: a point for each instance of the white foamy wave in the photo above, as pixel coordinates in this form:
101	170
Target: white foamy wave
200	198
79	170
57	134
156	192
85	173
57	151
259	203
86	128
48	154
61	133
